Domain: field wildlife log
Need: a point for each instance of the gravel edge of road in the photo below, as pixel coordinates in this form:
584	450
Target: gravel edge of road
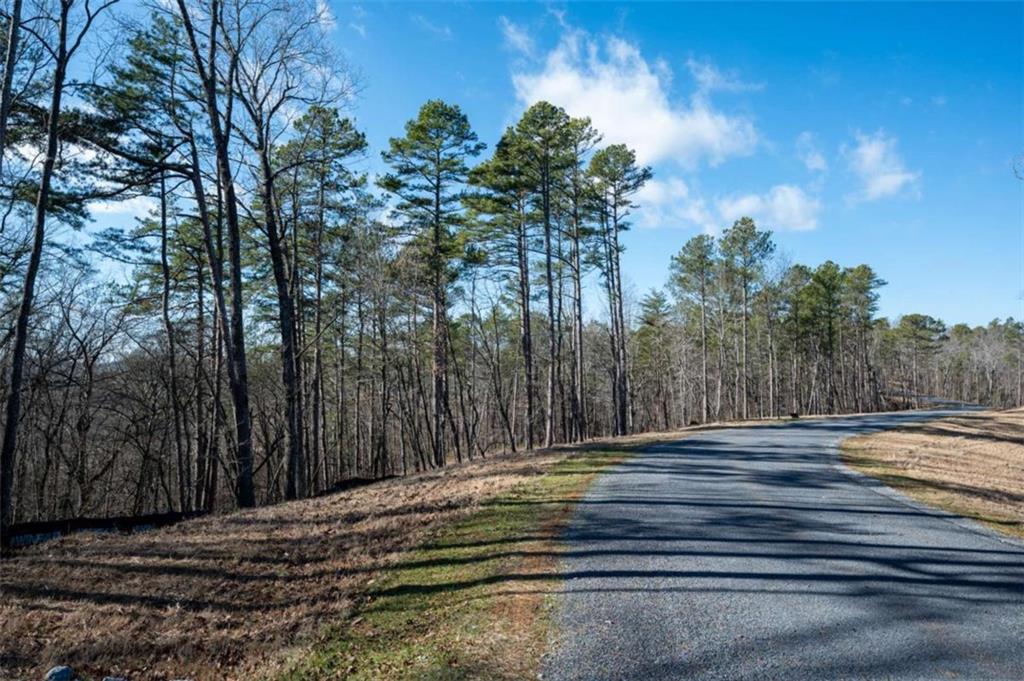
880	488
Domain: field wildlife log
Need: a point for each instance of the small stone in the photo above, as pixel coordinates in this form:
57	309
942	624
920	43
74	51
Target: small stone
59	673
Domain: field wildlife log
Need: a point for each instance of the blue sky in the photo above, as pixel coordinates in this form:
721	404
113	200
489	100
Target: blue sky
879	133
876	133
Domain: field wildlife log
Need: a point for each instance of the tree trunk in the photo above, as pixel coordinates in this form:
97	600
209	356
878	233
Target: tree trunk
549	417
439	397
579	410
745	381
238	372
10	62
704	413
526	331
295	483
13	407
184	479
625	401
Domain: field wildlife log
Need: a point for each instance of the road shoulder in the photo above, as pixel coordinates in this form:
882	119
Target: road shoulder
475	602
968	465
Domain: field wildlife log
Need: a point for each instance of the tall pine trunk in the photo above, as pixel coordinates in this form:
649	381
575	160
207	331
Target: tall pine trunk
184	479
549	417
238	370
704	413
295	483
439	396
525	322
13	407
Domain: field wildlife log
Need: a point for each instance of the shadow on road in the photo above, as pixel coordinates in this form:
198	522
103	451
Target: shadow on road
761	525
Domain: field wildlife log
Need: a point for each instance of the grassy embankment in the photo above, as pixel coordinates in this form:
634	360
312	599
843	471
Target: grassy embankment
473	603
440	575
445	574
971	464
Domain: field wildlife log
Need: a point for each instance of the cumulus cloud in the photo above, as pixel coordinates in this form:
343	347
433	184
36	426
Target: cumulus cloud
783	207
136	207
516	37
671	203
627	98
881	170
807	151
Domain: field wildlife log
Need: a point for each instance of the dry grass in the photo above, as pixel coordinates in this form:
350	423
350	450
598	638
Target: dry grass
972	465
227	596
224	596
474	603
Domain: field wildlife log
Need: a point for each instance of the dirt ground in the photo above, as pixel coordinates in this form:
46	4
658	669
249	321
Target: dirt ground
971	464
223	596
219	597
212	598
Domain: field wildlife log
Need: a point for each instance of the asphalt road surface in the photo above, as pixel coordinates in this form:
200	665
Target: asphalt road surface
753	554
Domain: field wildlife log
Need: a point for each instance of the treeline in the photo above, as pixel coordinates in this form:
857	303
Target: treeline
747	335
292	322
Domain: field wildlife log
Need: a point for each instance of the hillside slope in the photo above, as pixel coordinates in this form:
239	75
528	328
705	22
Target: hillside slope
970	464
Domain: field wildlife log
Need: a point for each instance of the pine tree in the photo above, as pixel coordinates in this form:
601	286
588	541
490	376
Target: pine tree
578	193
691	273
745	250
542	143
317	197
617	178
429	168
501	210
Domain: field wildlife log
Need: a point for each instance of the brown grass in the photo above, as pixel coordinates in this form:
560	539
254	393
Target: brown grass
221	597
971	465
213	597
224	596
472	604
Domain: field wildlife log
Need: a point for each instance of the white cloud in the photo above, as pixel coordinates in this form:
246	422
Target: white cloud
358	28
783	207
136	207
627	98
671	203
443	32
559	15
807	150
881	170
516	37
710	78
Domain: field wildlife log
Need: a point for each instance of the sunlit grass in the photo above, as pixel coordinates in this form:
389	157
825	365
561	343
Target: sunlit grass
473	603
963	465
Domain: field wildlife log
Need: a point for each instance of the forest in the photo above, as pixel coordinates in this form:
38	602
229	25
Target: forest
294	321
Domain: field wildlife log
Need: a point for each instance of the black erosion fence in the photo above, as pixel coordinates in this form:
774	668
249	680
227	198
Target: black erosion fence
24	534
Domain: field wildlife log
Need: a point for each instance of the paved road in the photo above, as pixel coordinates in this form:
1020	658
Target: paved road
751	554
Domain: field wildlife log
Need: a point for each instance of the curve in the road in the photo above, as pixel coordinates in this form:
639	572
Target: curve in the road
748	553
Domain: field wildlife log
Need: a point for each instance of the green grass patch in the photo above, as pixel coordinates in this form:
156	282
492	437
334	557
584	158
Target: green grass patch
475	602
